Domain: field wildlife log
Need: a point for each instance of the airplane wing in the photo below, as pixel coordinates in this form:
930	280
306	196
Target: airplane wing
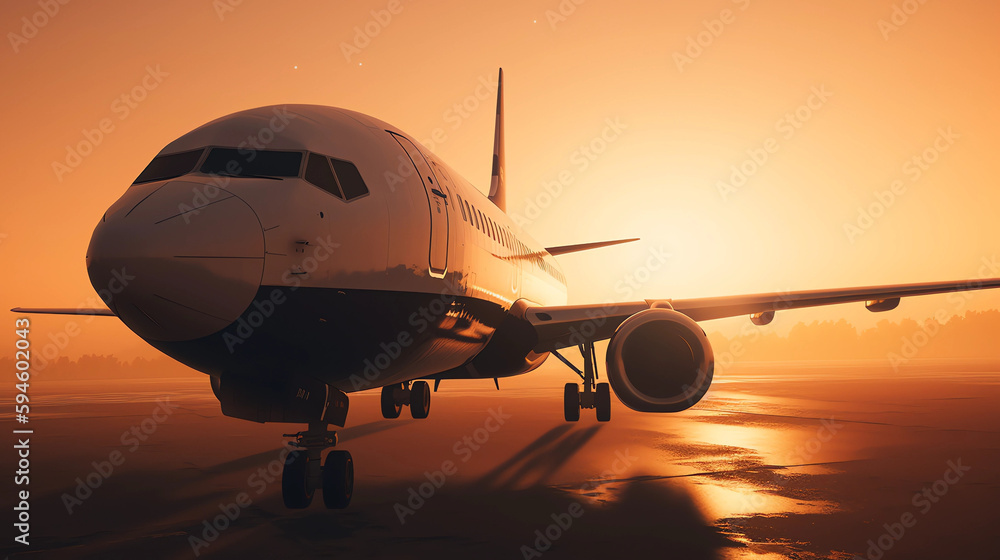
569	325
64	311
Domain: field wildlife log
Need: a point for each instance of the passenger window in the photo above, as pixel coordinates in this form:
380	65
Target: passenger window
169	166
461	206
319	173
482	222
349	178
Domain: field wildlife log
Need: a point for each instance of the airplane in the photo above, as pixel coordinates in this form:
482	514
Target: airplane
298	253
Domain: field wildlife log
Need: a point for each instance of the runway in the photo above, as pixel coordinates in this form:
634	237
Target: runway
779	461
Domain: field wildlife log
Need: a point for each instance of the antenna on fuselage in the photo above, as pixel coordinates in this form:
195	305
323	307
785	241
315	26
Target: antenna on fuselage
498	190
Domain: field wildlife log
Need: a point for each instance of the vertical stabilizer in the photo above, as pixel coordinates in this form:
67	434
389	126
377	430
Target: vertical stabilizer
498	190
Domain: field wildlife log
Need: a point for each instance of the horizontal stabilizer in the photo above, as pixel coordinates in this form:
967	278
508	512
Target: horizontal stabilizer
64	311
554	251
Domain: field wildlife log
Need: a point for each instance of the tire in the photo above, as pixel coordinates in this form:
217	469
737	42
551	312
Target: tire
390	408
338	479
602	401
420	399
571	402
295	491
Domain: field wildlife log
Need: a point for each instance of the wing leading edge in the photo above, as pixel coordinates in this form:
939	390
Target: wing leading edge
569	325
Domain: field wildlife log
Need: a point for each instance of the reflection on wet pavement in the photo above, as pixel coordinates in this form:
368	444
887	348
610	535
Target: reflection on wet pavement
776	462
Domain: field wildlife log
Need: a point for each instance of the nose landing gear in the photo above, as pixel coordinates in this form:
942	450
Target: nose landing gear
303	474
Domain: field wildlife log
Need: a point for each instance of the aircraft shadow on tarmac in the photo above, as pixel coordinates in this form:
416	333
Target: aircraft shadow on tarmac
494	516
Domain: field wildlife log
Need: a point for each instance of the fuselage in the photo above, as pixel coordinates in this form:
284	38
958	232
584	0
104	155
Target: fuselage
323	242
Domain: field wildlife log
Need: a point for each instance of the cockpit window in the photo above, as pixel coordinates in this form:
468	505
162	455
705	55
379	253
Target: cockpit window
232	162
349	178
169	166
319	173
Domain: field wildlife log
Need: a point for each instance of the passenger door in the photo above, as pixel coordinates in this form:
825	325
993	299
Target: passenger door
437	200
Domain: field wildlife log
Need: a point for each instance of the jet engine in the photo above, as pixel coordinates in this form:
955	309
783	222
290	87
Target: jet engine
660	360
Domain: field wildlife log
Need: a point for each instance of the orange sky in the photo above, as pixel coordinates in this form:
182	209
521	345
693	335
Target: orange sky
567	76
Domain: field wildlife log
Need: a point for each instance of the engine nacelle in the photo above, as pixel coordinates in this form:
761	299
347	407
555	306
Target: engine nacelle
660	360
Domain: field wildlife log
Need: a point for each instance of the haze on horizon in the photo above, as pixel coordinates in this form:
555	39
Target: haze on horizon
616	126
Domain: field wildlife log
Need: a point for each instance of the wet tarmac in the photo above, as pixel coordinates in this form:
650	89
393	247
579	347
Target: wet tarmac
788	460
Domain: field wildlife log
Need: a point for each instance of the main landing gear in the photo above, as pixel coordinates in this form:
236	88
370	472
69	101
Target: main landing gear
303	474
594	395
417	396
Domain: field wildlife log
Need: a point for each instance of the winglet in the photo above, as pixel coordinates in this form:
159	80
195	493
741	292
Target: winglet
585	246
498	190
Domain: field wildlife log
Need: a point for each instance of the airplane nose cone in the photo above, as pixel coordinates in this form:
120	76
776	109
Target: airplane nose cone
181	263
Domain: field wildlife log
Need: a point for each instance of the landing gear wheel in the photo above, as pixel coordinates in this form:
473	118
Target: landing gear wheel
390	408
420	399
338	479
571	402
295	490
602	402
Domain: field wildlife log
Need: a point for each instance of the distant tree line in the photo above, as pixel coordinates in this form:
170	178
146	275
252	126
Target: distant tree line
973	335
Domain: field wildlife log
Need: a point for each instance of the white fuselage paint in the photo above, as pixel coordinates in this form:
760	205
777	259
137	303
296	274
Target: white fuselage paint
382	241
